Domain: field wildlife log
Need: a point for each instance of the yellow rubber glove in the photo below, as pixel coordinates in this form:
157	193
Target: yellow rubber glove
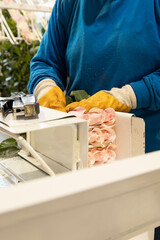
100	100
54	99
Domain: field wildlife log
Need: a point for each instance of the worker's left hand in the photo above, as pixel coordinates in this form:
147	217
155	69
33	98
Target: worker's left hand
101	100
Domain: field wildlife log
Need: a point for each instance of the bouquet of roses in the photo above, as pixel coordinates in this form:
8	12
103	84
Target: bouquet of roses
101	141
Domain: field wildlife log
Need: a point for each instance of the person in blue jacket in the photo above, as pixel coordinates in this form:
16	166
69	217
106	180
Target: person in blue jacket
103	45
111	45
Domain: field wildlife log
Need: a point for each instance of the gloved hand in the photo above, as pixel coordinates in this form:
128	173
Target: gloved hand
100	100
54	99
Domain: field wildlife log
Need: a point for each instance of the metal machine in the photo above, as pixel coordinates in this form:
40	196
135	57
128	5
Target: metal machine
20	105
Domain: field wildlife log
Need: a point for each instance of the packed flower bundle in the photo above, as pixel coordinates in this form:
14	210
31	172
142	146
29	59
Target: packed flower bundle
101	141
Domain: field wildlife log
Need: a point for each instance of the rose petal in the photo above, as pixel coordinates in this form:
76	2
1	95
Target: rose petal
78	112
91	159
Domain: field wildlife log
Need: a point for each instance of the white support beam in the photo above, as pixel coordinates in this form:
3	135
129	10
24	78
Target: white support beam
26	7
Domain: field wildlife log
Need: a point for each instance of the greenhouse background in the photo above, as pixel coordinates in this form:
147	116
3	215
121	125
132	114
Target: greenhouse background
22	25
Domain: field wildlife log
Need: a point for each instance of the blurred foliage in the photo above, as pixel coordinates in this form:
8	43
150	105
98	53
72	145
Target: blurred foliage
15	63
9	148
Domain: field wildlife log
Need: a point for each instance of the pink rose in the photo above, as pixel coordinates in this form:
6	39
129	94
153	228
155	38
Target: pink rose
101	137
95	116
109	133
96	136
109	117
99	156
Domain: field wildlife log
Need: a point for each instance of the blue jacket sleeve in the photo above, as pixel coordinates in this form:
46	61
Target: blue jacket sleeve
147	91
49	62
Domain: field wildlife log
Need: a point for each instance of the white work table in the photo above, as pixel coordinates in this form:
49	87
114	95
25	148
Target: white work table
116	201
18	165
113	202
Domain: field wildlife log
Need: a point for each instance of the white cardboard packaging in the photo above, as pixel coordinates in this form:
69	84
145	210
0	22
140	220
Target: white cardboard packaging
62	145
130	135
62	140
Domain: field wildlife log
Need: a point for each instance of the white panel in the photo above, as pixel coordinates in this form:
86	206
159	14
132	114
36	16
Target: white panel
129	135
59	144
115	201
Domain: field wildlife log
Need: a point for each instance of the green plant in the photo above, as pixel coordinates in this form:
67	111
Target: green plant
9	148
15	66
15	63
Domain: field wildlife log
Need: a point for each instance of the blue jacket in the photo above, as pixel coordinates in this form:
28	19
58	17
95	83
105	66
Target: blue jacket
102	44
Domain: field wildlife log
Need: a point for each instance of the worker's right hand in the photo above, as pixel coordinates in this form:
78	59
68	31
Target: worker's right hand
54	99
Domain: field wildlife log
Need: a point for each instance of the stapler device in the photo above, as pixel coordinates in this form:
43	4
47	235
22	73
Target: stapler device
19	104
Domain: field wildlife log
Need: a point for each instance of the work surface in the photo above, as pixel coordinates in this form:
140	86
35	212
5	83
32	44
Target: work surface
115	201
